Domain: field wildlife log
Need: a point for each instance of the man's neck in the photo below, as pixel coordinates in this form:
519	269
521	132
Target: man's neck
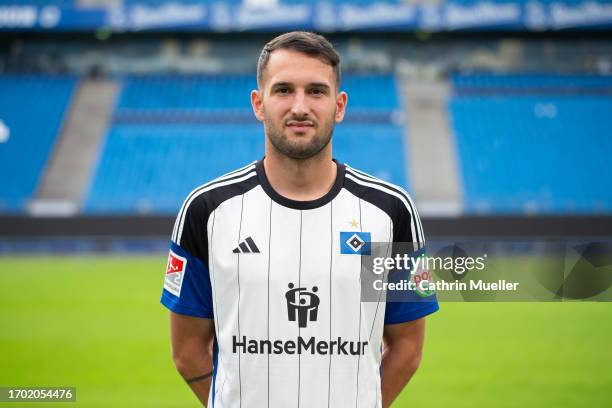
301	180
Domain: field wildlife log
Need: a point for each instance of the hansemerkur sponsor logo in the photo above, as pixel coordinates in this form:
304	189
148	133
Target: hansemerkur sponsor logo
302	305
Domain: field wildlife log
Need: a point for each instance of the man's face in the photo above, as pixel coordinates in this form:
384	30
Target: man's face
298	103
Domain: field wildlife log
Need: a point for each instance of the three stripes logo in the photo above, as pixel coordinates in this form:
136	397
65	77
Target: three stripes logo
247	246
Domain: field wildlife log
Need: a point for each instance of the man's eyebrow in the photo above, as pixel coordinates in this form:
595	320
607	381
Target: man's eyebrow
310	85
319	85
279	84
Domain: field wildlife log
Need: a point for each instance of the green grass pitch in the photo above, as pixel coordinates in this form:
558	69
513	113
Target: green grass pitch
96	323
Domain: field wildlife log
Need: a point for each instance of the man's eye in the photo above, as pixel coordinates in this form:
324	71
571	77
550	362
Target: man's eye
282	90
317	92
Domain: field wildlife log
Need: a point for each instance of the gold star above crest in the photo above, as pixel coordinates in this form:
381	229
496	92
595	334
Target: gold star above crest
354	223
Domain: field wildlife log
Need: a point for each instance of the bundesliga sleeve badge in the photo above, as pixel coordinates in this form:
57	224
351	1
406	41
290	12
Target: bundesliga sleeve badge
175	270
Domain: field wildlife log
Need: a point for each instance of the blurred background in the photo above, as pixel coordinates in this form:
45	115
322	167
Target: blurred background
496	115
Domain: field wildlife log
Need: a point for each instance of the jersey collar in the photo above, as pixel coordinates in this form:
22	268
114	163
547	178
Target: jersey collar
301	205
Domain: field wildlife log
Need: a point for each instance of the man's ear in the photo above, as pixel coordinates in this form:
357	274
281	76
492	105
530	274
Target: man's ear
257	104
341	101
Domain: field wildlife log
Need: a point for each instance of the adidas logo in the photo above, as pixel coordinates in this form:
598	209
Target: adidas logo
246	247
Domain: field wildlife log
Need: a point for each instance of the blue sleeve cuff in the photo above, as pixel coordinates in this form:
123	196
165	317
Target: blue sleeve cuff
171	303
427	309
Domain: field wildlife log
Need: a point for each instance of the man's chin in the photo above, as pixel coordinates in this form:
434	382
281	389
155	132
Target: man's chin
299	151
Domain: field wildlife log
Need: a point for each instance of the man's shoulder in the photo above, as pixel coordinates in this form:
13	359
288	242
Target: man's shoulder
203	200
212	193
372	188
390	198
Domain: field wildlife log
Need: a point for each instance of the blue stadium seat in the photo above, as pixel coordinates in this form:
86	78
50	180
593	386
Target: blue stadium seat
151	168
377	149
540	154
537	82
32	108
218	92
189	92
368	91
172	133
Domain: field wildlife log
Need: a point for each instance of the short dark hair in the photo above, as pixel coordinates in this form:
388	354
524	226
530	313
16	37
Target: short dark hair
308	43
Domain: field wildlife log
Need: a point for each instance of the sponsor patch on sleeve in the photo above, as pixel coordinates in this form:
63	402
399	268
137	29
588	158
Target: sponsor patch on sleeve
422	281
175	271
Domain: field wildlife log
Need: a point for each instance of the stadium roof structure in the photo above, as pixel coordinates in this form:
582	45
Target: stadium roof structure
323	16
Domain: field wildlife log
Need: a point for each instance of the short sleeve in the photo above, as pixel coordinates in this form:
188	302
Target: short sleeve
409	305
187	288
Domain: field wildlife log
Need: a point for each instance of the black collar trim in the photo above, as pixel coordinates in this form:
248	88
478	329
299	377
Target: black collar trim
301	205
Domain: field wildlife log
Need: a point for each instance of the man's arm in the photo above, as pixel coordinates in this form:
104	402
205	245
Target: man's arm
401	356
192	351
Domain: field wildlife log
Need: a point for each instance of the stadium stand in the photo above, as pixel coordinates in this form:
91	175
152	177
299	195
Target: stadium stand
149	168
171	133
198	92
377	149
32	109
535	83
216	92
534	143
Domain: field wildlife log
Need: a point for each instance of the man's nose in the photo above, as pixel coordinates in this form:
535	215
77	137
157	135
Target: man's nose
300	105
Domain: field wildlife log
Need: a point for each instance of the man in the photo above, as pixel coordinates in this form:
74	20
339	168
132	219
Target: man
263	278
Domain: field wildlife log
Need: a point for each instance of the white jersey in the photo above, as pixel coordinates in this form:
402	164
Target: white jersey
281	279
